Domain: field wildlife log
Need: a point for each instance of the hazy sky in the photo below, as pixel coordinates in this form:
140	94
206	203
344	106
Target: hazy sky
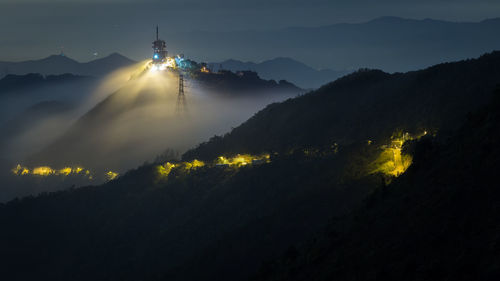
31	29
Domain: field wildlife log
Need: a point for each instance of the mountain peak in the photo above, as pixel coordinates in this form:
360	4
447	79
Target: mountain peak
398	20
232	61
117	55
115	58
388	19
59	58
492	20
285	68
286	61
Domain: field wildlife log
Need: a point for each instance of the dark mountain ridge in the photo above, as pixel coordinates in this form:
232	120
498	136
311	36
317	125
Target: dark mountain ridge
59	64
389	43
435	222
366	105
243	83
284	69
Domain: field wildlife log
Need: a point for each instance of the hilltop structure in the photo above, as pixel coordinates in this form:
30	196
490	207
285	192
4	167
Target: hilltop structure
159	49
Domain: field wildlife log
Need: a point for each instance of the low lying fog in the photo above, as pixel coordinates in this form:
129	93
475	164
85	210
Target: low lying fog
124	120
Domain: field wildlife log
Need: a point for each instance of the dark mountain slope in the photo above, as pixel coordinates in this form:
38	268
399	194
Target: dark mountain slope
243	83
439	221
219	223
143	226
366	105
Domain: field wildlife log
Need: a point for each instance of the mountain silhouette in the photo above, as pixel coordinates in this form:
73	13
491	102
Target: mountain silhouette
59	64
365	105
284	69
434	223
388	43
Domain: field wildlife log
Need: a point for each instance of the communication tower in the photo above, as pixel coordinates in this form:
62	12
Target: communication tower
159	49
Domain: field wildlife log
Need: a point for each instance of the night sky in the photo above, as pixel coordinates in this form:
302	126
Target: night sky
32	29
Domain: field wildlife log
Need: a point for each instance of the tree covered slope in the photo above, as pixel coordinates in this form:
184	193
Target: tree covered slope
366	105
438	221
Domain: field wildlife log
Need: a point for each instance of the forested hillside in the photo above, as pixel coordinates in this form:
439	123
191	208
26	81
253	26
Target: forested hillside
438	221
366	105
339	153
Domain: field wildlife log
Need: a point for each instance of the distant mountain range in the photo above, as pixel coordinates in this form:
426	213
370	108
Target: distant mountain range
389	43
14	83
59	64
287	69
277	69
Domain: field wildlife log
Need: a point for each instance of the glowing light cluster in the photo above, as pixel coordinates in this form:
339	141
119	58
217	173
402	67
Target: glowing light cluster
391	161
180	62
193	164
158	67
110	175
45	171
48	171
165	169
169	63
243	159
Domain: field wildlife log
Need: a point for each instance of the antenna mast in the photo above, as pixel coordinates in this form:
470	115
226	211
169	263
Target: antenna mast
181	107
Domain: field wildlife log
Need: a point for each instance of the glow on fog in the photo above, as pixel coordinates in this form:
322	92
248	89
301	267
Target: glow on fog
45	171
242	159
170	63
391	161
164	170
